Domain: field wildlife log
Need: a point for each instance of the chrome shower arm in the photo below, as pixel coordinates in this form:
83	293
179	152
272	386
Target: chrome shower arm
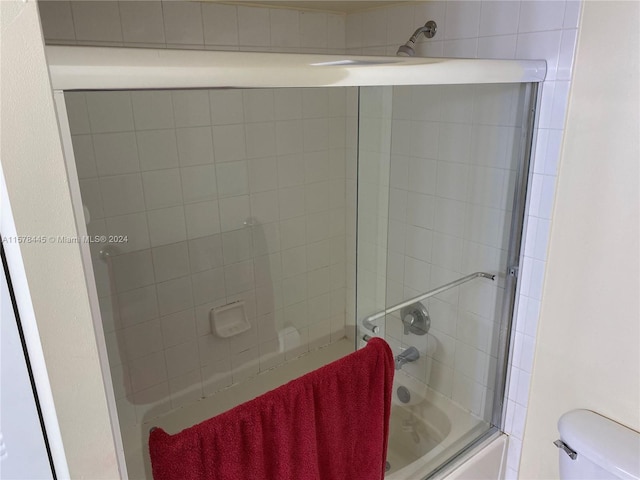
429	29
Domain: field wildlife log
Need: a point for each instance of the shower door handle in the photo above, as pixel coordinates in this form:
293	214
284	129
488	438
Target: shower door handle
369	325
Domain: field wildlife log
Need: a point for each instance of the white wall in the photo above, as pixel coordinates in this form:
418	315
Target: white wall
587	353
36	180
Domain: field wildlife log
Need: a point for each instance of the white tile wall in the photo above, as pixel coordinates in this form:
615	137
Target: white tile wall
97	21
212	215
183	23
191	25
142	22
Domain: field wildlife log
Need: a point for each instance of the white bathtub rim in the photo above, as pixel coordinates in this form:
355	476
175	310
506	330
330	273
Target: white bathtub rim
453	469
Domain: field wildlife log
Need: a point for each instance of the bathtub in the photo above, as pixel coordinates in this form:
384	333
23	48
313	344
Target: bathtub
424	431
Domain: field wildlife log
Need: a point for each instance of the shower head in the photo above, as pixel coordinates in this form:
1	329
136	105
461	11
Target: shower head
408	49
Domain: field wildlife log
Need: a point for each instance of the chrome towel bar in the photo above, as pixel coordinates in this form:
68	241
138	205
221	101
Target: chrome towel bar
368	321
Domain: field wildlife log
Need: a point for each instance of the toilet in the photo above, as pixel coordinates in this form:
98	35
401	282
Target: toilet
594	447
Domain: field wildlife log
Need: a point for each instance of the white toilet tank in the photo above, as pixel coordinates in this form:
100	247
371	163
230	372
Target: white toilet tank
603	449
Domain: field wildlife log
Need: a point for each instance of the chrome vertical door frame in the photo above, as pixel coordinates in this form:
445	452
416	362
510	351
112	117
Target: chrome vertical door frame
515	247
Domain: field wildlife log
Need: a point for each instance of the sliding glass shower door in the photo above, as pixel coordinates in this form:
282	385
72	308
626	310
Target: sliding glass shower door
441	181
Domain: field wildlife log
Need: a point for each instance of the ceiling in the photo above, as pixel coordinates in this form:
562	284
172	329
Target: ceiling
345	6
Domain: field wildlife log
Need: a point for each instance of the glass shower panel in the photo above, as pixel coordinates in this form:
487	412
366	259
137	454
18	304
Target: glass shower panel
221	238
435	205
374	153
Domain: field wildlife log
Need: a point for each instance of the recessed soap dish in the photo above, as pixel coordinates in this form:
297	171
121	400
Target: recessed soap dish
229	320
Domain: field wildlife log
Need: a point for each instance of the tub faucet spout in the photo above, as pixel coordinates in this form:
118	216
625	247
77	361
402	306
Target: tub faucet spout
411	354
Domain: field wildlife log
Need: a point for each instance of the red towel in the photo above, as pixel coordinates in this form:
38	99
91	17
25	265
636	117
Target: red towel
330	424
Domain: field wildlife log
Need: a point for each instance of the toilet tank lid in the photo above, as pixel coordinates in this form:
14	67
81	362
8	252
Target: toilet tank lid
610	445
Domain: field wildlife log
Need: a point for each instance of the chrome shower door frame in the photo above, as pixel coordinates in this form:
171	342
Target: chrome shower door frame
104	68
512	274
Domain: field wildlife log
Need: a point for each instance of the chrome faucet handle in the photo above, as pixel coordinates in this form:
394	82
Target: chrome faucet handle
415	319
408	320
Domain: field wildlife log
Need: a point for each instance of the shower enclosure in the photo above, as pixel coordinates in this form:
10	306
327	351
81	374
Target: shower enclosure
441	180
248	217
